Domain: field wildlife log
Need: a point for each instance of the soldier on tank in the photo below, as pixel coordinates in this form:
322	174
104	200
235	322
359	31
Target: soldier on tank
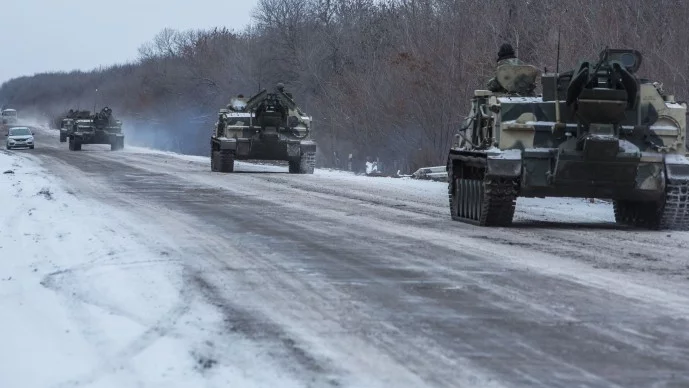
506	56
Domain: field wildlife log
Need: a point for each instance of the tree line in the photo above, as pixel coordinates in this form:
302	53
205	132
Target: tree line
383	78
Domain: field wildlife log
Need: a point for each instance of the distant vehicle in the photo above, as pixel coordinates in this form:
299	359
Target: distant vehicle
9	117
19	137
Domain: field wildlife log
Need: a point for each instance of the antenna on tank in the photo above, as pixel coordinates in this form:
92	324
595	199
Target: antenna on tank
94	100
557	78
557	66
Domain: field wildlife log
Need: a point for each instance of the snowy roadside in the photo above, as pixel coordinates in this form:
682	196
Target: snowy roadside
91	296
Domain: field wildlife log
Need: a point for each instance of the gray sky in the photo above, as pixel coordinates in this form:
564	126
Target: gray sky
49	35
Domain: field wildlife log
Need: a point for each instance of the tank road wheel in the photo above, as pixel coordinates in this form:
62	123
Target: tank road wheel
672	213
484	202
225	161
74	144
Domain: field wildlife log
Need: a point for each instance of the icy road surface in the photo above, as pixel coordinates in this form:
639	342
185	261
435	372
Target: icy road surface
143	268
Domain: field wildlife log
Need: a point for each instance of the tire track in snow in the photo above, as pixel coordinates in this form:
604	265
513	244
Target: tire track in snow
113	357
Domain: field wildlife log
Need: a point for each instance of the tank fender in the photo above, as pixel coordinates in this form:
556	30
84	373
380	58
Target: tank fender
507	163
227	144
677	166
307	146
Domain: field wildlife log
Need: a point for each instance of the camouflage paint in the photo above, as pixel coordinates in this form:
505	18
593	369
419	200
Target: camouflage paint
250	134
632	166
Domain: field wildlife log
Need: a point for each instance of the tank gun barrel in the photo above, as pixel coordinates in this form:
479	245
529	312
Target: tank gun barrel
601	61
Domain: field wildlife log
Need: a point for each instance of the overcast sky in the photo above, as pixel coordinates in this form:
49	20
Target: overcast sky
48	35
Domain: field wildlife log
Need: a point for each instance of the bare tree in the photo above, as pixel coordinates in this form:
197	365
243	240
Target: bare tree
383	78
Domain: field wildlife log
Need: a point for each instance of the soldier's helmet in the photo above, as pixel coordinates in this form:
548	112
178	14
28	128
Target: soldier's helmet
506	52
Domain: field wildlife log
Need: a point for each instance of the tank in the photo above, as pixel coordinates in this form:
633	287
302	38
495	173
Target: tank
65	122
595	131
266	126
87	128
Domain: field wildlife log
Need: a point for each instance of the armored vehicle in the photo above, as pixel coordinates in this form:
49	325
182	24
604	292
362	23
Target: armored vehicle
99	128
9	118
596	131
266	126
65	122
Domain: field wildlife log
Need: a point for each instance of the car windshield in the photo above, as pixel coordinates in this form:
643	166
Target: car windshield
9	113
20	132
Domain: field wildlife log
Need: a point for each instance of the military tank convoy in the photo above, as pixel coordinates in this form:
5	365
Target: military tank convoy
80	127
596	131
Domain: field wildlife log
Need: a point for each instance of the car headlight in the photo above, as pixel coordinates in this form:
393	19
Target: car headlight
29	140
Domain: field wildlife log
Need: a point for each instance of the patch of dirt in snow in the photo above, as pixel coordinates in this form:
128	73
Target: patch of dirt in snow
45	192
249	325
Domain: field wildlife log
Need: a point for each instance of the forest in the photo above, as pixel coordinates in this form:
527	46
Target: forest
385	79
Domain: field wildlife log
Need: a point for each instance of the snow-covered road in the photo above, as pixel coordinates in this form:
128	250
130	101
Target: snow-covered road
143	268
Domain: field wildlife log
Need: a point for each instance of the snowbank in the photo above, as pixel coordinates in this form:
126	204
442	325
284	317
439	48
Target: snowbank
91	296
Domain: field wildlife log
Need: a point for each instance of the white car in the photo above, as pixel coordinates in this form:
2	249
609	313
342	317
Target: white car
19	137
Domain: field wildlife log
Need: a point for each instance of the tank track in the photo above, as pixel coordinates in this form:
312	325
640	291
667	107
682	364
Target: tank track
225	161
74	144
488	202
308	163
117	144
676	210
672	215
304	165
214	160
